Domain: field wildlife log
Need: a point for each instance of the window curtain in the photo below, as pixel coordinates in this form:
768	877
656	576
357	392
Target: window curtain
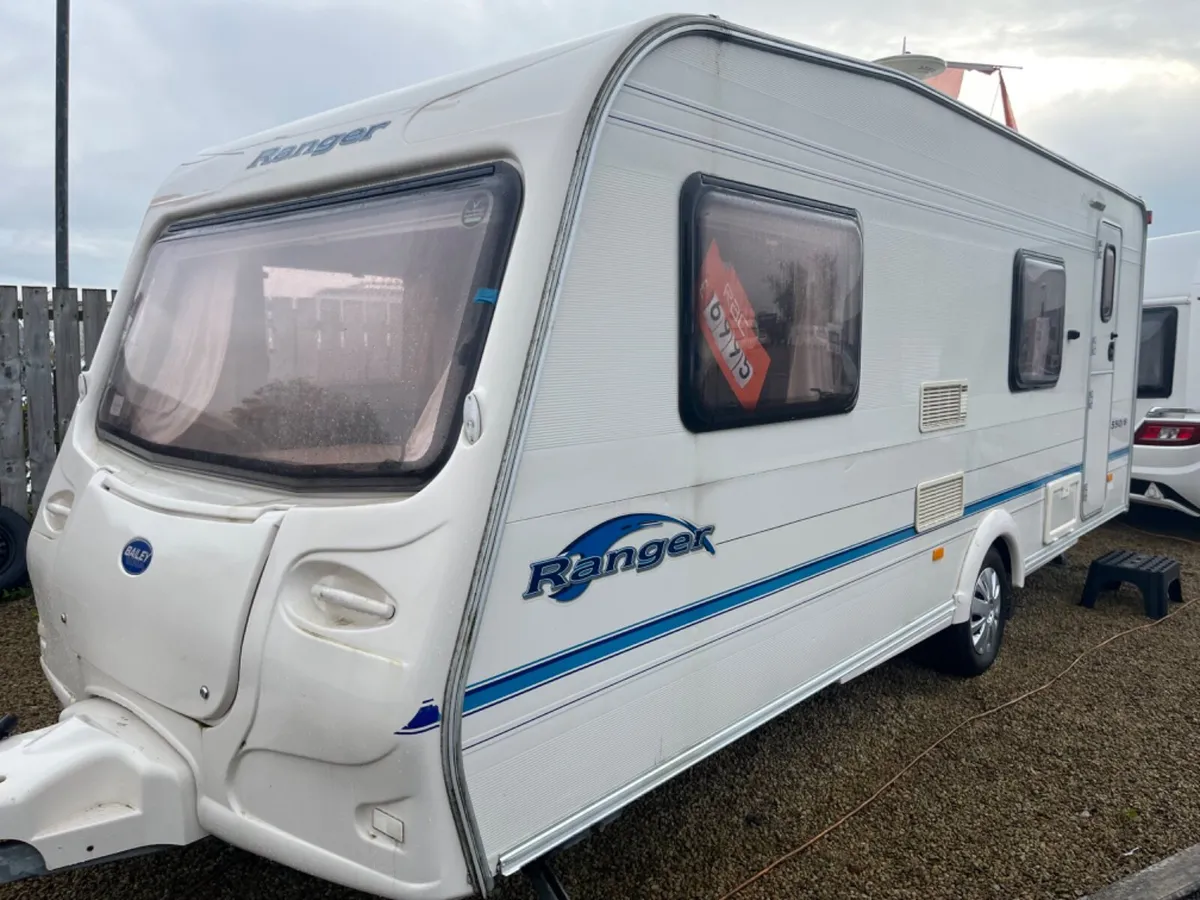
196	327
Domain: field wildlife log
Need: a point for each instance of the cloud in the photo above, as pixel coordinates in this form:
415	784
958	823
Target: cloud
1144	136
1106	83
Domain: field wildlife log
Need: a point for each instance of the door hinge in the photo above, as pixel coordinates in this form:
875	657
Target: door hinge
1099	248
1093	345
1085	492
1091	397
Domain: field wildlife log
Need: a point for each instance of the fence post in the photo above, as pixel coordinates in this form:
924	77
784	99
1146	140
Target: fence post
66	356
95	312
13	491
39	389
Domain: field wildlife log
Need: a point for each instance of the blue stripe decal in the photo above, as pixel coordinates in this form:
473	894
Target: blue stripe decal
1117	454
533	675
427	718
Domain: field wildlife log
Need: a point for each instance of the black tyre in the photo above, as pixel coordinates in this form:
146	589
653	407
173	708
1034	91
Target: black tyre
14	532
969	648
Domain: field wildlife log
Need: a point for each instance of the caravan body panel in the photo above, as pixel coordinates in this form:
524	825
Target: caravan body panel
819	566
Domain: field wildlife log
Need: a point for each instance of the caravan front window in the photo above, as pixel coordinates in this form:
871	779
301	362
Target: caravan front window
1156	357
772	307
328	340
1038	315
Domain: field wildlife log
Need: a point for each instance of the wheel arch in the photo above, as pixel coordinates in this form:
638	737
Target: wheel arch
997	529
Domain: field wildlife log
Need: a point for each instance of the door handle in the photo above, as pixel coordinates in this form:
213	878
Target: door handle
58	508
1113	336
1072	335
352	601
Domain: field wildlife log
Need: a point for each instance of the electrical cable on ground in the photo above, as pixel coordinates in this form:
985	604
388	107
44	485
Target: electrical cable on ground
959	727
1156	534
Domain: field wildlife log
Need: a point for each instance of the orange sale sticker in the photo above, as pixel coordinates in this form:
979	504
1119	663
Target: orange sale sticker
730	328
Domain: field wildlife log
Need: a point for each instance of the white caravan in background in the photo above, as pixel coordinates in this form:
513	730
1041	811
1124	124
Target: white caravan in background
459	465
1166	454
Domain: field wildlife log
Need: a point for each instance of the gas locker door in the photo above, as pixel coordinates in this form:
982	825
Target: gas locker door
156	596
1103	352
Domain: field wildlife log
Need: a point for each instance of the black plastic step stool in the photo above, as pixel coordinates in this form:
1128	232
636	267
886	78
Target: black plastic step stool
1157	577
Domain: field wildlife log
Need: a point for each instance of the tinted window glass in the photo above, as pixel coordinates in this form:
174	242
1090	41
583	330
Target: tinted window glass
334	342
773	304
1156	356
1039	312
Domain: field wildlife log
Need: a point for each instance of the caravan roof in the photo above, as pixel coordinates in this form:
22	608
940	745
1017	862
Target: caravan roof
535	107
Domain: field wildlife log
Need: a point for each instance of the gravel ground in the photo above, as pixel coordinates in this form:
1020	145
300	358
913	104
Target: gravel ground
1055	797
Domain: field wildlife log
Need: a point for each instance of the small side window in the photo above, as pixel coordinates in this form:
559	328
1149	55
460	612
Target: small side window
1108	282
1156	356
771	306
1038	316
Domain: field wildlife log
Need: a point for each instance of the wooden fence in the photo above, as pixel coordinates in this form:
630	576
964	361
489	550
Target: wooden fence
46	338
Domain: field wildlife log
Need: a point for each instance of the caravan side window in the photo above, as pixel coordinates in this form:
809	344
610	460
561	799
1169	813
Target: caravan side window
1038	316
771	306
1156	359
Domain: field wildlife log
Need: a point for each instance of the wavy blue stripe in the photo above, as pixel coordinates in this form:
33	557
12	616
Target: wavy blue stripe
426	718
565	662
1117	454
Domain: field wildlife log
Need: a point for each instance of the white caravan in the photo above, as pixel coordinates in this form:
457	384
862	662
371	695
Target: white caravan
1166	453
461	464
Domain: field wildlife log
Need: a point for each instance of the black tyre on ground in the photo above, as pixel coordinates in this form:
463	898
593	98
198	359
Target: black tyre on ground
14	531
969	648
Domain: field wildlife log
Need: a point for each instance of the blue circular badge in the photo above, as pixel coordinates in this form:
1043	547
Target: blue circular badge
135	558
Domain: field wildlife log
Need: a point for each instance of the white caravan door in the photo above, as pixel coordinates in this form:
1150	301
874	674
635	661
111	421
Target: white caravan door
1100	371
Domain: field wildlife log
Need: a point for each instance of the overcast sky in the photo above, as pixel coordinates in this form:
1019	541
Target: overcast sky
1111	84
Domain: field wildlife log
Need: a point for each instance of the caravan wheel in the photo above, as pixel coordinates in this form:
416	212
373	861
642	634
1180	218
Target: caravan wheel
970	648
13	533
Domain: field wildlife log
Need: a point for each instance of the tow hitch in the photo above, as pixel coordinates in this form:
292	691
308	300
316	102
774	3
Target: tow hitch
99	785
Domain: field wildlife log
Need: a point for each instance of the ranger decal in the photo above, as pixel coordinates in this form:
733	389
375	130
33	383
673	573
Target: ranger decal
590	556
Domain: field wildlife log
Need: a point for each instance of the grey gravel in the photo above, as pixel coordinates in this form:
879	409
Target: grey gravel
1043	800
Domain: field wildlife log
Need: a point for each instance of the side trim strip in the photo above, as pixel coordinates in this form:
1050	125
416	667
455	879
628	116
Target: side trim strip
562	831
898	174
767	161
530	676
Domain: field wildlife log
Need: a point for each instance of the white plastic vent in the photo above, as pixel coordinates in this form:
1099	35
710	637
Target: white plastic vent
943	405
939	501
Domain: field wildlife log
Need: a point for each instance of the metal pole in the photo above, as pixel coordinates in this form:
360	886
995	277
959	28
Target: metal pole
61	273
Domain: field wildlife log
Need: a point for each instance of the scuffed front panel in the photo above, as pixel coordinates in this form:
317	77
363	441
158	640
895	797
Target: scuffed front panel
156	601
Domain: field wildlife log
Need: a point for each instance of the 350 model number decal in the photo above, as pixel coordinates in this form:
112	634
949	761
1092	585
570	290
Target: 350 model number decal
590	556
